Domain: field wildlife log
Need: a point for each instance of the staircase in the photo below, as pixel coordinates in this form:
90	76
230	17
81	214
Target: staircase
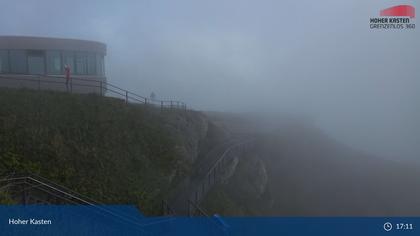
32	189
29	189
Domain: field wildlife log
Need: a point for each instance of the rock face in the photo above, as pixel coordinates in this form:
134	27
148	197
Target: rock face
244	189
191	129
230	170
300	171
197	137
256	177
261	178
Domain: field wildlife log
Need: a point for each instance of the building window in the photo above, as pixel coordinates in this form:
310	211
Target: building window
18	61
100	65
91	61
54	66
81	63
36	62
68	60
4	61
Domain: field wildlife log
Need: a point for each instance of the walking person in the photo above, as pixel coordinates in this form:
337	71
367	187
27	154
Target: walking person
153	96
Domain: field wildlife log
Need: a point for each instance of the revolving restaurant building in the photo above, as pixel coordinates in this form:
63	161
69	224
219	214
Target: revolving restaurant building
39	63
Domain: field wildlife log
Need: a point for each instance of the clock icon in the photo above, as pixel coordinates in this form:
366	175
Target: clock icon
387	226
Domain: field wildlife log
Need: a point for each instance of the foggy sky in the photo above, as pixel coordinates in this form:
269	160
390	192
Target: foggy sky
314	58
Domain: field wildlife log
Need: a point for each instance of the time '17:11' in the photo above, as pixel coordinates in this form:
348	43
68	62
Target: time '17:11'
404	226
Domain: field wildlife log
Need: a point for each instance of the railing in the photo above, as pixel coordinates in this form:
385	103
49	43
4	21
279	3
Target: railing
195	210
214	174
24	183
27	182
213	222
84	85
212	177
32	181
166	209
203	183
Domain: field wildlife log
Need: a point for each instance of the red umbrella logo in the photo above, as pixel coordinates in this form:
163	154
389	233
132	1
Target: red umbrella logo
401	10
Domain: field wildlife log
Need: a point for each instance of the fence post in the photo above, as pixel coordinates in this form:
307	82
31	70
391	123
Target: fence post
24	196
100	86
161	105
214	171
196	196
209	178
189	208
126	97
145	101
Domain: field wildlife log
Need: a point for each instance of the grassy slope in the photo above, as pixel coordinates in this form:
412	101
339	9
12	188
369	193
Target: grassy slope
99	147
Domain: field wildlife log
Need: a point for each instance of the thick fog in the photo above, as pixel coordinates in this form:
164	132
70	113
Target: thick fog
318	59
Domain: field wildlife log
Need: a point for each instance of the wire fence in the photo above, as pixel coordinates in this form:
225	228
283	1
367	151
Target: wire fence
85	85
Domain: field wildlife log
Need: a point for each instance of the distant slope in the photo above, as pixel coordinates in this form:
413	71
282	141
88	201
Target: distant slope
297	170
98	146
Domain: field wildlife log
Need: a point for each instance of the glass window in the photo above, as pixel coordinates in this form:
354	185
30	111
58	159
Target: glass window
4	61
18	61
81	63
54	66
36	62
68	59
91	64
100	65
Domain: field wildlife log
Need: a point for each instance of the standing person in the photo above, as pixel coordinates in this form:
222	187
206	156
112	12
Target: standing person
153	96
67	74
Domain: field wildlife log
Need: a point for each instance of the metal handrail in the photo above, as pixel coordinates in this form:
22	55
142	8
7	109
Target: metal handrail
205	185
205	215
119	88
101	84
67	190
74	197
198	208
56	188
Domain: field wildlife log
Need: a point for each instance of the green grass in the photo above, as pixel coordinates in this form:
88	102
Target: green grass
99	147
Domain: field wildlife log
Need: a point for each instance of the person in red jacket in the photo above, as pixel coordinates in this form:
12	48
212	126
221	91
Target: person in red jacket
67	74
